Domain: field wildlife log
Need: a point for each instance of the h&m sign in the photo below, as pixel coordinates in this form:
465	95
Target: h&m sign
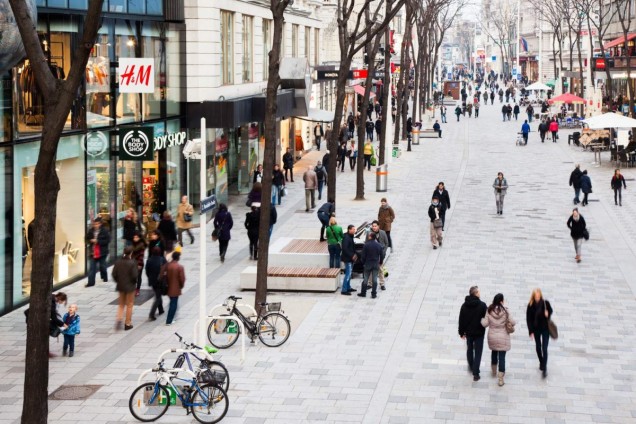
136	75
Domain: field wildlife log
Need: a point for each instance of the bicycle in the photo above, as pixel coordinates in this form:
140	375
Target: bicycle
207	402
272	327
222	376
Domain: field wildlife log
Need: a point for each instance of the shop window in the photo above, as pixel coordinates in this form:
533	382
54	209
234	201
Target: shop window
7	234
127	44
117	6
98	96
227	47
174	163
6	108
248	156
154	45
69	259
78	4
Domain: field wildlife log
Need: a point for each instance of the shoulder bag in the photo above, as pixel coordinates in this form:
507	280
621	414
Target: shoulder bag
339	242
510	328
552	327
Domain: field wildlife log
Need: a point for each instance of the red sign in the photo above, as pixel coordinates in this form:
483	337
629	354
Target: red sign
136	75
599	63
359	73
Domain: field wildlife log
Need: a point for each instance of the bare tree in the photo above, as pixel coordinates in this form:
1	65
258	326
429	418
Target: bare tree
501	29
58	96
550	13
623	13
273	82
402	88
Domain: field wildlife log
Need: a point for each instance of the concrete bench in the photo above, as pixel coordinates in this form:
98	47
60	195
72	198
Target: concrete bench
288	251
429	133
287	278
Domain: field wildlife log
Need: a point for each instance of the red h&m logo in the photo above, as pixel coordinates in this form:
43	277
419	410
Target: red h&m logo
136	75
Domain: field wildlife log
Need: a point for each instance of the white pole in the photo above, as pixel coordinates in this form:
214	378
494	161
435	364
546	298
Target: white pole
203	239
540	79
518	65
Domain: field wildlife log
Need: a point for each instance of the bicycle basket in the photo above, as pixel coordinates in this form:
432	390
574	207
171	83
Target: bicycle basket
211	377
273	307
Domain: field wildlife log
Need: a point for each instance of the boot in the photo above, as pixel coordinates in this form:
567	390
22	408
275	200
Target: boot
501	378
494	370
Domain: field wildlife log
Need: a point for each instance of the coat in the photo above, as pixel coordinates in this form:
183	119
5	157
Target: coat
500	188
617	181
386	216
252	222
586	184
125	274
348	248
168	229
223	223
554	126
575	178
181	211
73	324
103	240
444	197
153	269
577	228
372	254
441	211
535	316
175	275
470	315
139	251
321	173
498	337
288	161
129	229
310	179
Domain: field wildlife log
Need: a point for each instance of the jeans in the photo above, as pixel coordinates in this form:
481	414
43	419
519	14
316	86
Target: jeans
373	273
499	199
223	247
529	117
342	163
69	342
370	135
126	300
334	255
291	173
504	116
541	341
352	162
172	309
310	198
577	192
276	193
321	184
93	264
498	357
158	303
317	143
444	118
180	232
346	282
367	162
578	242
324	220
475	346
618	191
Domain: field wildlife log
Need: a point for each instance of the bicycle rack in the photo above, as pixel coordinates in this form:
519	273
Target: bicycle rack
238	322
166	352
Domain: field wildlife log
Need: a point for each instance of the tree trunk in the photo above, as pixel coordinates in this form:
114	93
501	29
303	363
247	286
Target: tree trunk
58	98
386	105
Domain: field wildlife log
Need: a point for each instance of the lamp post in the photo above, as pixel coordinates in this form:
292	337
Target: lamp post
517	65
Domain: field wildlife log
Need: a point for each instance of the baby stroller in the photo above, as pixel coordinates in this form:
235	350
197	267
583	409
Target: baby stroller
520	140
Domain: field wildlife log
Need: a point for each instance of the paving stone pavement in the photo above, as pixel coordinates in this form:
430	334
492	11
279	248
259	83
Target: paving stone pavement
398	359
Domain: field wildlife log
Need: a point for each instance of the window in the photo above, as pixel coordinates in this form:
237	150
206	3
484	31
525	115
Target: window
294	40
248	48
227	47
316	46
308	44
267	46
283	42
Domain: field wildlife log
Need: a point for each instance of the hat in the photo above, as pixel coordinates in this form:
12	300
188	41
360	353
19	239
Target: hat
177	248
256	204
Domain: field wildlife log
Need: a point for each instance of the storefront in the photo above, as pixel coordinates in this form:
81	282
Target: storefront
88	165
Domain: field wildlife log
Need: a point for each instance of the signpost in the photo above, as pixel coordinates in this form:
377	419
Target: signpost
208	204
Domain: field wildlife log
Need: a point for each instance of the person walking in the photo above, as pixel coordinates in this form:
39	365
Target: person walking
325	212
378	127
381	237
349	257
516	111
352	153
153	271
435	213
509	111
325	161
255	195
501	188
575	182
469	109
334	242
342	154
492	97
543	129
476	109
368	152
318	134
125	275
618	184
586	187
444	198
442	113
471	330
288	165
351	124
525	130
530	112
139	251
497	319
311	182
370	128
321	175
257	176
538	314
458	111
185	211
252	223
70	329
156	240
554	129
168	231
278	182
578	232
223	223
175	276
386	216
372	258
504	112
98	239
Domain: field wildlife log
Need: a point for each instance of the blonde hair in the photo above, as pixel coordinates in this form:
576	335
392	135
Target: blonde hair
535	291
332	221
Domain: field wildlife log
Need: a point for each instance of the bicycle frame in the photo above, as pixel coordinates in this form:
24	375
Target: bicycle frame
187	352
168	377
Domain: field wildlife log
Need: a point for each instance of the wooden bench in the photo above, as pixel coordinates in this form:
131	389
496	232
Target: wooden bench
288	278
429	133
287	251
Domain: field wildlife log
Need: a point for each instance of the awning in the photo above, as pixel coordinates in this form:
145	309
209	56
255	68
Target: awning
318	115
360	90
620	40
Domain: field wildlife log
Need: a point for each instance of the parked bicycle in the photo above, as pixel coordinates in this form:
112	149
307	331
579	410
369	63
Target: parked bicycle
271	327
218	369
202	396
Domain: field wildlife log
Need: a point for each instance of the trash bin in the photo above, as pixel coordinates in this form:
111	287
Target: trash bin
416	137
381	174
397	152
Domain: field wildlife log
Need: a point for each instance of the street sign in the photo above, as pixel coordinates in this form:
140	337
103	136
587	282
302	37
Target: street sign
208	204
353	74
326	75
493	59
359	73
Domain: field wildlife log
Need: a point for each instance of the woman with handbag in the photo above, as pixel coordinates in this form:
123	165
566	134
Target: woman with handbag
184	219
334	242
435	212
501	327
578	232
223	223
538	316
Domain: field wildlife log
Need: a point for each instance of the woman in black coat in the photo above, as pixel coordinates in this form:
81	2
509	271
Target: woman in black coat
153	269
578	231
168	230
252	222
537	315
223	224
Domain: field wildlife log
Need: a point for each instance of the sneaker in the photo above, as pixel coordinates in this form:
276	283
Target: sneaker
476	378
373	296
440	243
434	247
128	327
168	324
382	287
152	318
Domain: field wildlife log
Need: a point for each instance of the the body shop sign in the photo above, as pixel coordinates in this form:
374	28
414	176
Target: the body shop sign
136	75
135	143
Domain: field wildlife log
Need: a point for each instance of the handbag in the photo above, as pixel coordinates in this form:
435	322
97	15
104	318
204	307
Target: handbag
374	161
215	234
283	191
54	330
553	330
510	327
187	217
586	234
437	223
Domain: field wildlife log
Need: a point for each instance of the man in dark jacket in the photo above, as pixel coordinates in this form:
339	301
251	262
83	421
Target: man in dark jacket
470	329
348	256
444	198
325	212
288	165
125	275
372	258
378	127
98	239
586	187
153	271
575	182
370	127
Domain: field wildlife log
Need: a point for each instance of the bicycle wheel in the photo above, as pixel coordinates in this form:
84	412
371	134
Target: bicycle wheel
209	404
223	333
149	402
273	329
218	366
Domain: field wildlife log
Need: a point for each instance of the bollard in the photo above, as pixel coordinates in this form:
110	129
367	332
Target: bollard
416	137
381	175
